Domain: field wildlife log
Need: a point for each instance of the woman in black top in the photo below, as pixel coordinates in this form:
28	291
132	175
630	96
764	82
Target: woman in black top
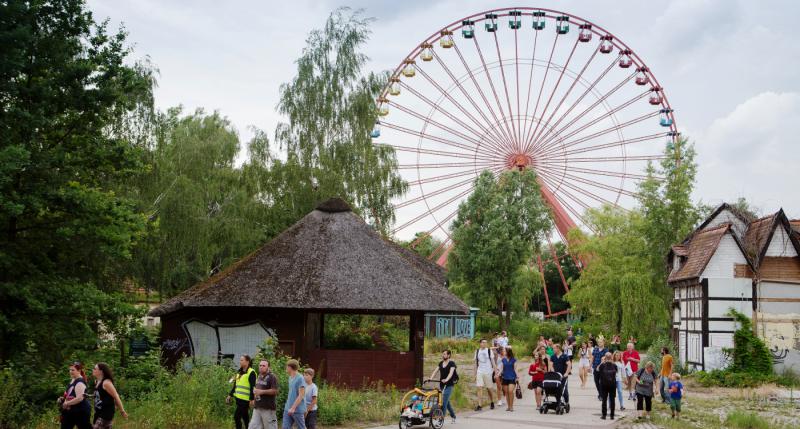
106	398
75	408
447	379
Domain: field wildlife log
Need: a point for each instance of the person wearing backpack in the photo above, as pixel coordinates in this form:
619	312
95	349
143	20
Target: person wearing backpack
484	373
607	375
448	377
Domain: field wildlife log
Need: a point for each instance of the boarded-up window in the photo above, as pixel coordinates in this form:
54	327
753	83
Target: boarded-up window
780	268
211	342
742	270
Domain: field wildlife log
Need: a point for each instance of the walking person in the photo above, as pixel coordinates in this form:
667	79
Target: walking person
615	343
75	408
536	371
509	377
597	356
294	411
106	397
447	379
665	374
608	384
498	375
561	364
485	366
502	340
265	392
645	380
242	392
617	359
311	398
583	364
631	359
675	394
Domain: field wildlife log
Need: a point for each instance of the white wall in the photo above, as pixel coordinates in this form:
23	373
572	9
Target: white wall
726	216
722	263
780	245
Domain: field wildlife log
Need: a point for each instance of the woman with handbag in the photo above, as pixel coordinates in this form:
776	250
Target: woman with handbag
509	377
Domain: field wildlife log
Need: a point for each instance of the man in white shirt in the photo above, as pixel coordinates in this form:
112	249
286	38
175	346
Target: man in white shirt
503	340
485	367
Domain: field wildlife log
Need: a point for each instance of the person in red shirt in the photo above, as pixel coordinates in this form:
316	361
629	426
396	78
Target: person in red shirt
536	371
630	357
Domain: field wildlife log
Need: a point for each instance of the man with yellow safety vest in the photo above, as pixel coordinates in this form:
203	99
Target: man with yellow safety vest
242	392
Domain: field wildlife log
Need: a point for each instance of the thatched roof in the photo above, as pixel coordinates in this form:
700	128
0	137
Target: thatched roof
329	260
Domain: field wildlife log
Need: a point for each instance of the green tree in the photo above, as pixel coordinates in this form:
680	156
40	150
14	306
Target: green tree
669	213
202	211
617	288
66	88
426	245
330	107
495	233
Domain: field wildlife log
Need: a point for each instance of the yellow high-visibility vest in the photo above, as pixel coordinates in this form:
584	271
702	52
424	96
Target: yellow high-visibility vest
242	390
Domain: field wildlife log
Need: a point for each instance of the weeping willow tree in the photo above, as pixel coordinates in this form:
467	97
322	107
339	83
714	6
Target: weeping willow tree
330	107
617	289
201	212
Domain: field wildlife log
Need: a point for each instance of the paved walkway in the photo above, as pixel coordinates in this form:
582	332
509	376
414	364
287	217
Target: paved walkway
584	413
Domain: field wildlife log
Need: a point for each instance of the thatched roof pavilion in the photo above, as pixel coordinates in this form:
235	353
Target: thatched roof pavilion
330	261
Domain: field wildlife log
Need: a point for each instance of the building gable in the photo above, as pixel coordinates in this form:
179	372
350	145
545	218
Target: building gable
726	257
726	214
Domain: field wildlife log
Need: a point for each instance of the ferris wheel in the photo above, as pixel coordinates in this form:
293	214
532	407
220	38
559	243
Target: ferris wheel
521	88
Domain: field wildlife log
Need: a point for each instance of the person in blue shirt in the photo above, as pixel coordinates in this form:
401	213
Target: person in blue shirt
509	377
675	394
562	364
294	412
598	352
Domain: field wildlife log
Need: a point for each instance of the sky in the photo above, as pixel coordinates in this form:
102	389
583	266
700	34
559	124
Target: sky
730	68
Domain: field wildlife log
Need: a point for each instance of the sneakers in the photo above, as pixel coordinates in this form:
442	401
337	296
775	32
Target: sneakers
500	403
478	408
622	408
491	405
603	417
453	421
612	417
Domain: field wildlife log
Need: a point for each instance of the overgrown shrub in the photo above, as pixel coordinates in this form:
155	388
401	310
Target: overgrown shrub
749	353
12	408
654	354
366	332
455	345
727	378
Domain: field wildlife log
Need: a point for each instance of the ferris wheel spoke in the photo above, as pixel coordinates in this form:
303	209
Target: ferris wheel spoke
555	135
619	143
433	210
432	151
441	165
568	184
505	87
491	85
595	183
476	144
618	158
541	89
530	80
483	96
550	98
575	104
563	203
545	129
433	179
440	191
516	66
608	114
500	142
564	166
603	132
449	115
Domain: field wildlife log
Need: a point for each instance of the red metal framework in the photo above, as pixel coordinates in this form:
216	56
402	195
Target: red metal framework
578	107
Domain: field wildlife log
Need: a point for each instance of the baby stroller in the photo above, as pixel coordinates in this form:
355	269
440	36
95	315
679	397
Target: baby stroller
553	386
422	406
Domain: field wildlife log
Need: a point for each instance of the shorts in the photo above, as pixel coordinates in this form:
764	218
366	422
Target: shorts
675	404
311	420
484	379
101	423
507	382
537	384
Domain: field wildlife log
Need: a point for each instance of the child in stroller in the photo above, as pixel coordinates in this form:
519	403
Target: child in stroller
553	386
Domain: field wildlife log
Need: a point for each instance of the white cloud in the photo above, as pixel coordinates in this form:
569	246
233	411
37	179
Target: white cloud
753	152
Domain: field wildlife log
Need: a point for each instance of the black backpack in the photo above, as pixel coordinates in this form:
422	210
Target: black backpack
476	356
608	374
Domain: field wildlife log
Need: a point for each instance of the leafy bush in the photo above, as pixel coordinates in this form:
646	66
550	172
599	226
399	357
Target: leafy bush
749	353
654	354
727	378
366	332
12	409
743	420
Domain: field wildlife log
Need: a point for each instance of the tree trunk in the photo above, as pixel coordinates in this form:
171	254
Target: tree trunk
500	320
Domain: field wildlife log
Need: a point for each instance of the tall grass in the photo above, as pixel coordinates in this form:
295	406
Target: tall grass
746	420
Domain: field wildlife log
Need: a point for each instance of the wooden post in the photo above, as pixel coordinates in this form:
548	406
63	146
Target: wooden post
417	343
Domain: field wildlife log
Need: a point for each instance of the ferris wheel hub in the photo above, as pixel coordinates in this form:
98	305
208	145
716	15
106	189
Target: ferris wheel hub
519	161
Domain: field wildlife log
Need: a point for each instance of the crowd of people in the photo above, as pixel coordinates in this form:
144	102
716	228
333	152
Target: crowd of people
612	369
